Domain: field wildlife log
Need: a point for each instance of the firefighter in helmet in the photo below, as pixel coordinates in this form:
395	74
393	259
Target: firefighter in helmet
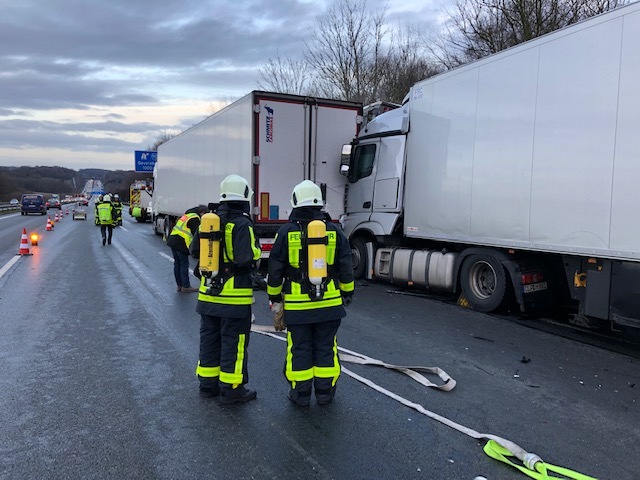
310	278
117	204
226	295
106	218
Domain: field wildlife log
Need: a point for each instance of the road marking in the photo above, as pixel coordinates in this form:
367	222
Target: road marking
9	264
123	228
10	215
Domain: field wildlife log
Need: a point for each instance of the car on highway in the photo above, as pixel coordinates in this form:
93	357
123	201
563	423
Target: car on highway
79	213
14	201
54	203
33	203
84	202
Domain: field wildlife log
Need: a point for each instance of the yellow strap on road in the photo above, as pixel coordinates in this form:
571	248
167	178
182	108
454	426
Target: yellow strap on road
497	447
533	466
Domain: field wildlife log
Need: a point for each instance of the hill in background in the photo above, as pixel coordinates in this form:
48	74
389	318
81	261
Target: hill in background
14	181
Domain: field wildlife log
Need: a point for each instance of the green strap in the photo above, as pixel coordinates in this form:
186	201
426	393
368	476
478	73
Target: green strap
498	452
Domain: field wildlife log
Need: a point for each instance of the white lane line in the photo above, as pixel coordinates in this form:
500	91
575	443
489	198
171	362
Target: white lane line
10	215
171	260
123	228
9	264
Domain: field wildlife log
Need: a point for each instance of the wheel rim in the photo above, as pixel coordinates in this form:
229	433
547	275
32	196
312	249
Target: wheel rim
482	280
355	258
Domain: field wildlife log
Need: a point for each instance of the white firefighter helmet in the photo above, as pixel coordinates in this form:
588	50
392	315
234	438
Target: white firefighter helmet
116	197
306	194
235	188
106	198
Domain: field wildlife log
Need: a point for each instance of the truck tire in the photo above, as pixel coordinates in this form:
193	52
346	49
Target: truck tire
484	282
359	257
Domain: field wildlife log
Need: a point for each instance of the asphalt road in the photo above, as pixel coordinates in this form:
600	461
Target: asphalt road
98	354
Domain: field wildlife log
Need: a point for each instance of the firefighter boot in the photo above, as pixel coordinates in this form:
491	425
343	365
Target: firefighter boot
236	395
324	397
209	391
301	395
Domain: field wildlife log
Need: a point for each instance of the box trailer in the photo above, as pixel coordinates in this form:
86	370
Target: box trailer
512	176
273	140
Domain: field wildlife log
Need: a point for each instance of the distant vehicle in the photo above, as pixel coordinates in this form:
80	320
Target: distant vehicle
33	203
14	201
53	203
80	213
84	202
140	196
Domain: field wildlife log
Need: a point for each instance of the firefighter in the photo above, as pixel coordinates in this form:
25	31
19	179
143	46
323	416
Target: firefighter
179	241
118	207
106	218
98	202
225	299
310	305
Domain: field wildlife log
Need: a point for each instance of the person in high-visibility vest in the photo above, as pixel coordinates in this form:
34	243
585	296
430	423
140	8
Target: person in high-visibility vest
117	204
179	241
98	201
226	296
310	279
106	218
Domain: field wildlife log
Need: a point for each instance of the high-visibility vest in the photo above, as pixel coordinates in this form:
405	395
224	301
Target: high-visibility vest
105	215
181	228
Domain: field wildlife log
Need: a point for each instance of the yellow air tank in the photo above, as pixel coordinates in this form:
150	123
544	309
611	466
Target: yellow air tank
317	252
210	244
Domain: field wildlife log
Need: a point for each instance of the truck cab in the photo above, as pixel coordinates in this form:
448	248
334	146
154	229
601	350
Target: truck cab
374	164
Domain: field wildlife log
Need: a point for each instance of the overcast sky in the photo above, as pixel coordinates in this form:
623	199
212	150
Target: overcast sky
85	83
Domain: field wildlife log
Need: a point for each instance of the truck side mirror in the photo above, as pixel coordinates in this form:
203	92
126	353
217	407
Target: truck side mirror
345	160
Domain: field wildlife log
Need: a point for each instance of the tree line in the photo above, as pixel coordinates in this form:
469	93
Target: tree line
14	181
354	54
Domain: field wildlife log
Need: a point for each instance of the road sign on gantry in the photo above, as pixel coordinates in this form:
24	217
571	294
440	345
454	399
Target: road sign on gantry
145	161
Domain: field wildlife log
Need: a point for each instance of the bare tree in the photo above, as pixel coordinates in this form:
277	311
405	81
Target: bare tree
478	28
286	75
162	138
406	63
345	51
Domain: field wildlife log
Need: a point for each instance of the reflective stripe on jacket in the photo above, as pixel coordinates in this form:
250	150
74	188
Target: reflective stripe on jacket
240	251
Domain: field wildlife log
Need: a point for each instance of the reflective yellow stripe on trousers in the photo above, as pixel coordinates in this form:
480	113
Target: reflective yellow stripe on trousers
236	377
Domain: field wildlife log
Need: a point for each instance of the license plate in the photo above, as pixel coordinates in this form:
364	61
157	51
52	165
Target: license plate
534	287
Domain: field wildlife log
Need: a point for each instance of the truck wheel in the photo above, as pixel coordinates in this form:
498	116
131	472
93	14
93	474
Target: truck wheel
483	282
359	257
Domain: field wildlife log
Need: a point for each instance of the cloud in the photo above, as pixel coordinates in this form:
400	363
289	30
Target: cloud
100	75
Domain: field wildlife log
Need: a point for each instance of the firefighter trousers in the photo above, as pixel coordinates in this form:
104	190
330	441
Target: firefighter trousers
224	345
312	357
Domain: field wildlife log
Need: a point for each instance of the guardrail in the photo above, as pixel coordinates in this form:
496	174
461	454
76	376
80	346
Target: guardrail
7	207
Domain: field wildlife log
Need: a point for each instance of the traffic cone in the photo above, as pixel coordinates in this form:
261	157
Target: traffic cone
56	219
49	226
67	210
24	243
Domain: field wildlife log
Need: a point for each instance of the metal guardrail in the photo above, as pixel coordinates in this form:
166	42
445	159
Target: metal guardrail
7	207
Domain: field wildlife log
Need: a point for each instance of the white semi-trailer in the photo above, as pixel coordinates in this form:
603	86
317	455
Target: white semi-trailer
273	140
515	176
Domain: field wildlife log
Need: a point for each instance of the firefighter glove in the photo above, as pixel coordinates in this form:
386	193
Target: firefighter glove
278	316
346	298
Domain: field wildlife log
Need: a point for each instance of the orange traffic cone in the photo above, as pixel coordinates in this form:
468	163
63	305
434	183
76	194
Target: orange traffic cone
24	243
49	226
67	210
56	219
